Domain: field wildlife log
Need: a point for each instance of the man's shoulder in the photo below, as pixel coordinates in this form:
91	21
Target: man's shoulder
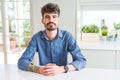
65	32
38	34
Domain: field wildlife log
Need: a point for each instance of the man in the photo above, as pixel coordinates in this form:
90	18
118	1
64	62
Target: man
52	45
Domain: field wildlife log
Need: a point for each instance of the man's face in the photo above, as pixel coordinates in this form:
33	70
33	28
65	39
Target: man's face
50	21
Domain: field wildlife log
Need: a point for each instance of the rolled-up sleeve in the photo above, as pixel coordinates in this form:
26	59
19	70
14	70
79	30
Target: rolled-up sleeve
27	56
23	64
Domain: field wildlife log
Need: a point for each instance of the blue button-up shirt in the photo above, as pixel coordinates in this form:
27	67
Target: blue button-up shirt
53	51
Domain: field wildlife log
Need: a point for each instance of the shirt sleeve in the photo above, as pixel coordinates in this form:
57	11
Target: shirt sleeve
79	61
27	56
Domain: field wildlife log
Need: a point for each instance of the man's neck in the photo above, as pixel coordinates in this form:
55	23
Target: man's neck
51	34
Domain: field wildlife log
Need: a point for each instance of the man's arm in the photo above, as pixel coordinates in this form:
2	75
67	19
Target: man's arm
27	56
79	61
32	68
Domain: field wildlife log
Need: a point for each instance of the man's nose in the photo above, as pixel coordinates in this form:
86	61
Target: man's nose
51	19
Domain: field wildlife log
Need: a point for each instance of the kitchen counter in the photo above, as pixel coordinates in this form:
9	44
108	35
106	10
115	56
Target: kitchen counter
100	45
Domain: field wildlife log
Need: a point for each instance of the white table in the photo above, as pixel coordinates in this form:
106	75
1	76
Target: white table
11	72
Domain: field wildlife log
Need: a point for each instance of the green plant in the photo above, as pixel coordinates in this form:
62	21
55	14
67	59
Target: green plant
26	33
26	25
25	42
26	28
116	25
14	35
104	32
92	28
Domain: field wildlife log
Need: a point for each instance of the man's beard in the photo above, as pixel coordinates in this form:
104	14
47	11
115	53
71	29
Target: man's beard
51	27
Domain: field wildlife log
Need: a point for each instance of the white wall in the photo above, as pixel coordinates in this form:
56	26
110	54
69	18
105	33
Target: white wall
67	16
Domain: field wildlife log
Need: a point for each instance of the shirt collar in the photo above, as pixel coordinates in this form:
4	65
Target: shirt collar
59	34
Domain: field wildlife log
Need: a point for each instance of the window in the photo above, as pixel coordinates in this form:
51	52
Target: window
95	16
17	29
94	13
1	40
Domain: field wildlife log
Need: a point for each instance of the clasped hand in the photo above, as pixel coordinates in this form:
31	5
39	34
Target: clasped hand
50	69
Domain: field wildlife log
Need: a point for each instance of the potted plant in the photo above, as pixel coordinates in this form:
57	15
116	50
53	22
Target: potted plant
13	41
117	25
90	32
104	30
117	29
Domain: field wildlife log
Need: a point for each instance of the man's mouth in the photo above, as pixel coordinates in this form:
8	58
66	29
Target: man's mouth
50	23
51	26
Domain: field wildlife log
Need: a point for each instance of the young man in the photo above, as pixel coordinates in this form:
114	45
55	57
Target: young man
52	45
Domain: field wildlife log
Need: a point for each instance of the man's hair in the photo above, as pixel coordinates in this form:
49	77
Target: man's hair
50	8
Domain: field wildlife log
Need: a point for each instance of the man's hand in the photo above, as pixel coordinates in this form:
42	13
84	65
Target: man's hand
50	69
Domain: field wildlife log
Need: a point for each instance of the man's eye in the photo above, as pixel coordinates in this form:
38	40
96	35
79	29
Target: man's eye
54	16
47	17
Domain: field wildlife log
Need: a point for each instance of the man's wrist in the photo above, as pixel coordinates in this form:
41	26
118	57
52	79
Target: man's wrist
32	68
66	68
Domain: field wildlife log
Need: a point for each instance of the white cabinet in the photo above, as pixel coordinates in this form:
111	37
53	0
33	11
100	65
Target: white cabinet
100	58
118	59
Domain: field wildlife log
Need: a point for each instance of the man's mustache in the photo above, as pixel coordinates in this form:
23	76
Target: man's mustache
51	23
